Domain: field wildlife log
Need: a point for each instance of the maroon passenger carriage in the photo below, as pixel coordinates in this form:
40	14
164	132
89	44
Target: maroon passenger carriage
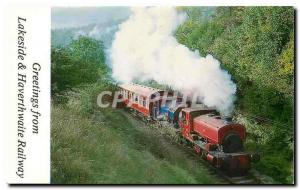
143	99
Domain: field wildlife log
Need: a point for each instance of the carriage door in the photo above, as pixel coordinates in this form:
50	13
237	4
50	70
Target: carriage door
155	109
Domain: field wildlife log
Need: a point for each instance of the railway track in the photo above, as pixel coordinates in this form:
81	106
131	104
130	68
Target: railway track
171	133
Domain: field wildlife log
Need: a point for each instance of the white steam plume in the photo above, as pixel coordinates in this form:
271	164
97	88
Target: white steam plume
145	48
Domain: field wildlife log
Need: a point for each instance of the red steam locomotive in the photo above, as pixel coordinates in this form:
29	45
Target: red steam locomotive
217	140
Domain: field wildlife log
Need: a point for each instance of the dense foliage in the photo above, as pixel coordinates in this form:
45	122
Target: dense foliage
79	63
256	46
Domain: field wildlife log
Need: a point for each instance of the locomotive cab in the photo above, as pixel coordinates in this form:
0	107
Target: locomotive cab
186	120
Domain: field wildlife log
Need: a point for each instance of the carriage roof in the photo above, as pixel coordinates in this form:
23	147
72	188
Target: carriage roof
140	89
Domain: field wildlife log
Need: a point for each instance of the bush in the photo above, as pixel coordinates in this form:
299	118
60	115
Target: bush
81	62
274	144
89	94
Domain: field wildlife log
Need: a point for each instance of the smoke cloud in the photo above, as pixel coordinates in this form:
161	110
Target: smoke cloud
145	48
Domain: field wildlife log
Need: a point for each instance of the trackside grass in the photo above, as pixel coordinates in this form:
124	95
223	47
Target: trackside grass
109	146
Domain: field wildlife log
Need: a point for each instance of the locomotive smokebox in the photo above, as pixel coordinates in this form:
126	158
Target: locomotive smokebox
232	142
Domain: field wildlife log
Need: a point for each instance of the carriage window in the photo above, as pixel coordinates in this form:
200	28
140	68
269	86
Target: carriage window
179	100
136	98
144	102
168	103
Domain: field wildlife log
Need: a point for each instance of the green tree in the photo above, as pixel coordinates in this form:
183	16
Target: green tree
81	62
